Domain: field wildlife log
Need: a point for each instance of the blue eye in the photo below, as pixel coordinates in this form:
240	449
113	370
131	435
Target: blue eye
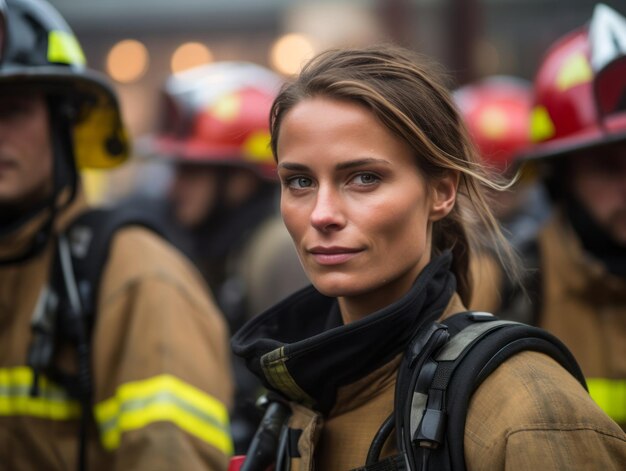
299	182
366	179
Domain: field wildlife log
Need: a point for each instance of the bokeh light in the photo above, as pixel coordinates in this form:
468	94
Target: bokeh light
127	61
190	55
289	53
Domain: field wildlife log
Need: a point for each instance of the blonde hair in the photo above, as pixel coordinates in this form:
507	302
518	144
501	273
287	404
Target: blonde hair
404	92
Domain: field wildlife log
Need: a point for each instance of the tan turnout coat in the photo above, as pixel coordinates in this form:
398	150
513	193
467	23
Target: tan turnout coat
161	378
583	305
518	419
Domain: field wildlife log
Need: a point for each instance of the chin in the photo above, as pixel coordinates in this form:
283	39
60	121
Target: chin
336	286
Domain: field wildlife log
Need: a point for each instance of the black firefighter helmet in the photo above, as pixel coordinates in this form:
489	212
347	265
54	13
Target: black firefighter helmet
38	49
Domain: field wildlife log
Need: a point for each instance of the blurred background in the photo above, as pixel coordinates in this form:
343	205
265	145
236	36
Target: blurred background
139	43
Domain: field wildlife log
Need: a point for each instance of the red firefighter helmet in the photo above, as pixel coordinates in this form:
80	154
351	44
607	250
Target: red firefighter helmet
218	114
496	112
580	89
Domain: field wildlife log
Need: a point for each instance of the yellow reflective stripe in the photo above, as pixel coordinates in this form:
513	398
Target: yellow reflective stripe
494	122
52	402
610	395
275	370
163	398
541	125
64	48
575	71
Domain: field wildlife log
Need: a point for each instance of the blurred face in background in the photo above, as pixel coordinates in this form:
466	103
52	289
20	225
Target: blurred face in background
198	191
193	193
25	149
355	203
598	180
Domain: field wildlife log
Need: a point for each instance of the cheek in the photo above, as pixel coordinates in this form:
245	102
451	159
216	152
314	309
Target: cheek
294	218
36	138
38	159
402	227
596	196
193	198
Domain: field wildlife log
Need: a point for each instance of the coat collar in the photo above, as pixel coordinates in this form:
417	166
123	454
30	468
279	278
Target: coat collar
301	349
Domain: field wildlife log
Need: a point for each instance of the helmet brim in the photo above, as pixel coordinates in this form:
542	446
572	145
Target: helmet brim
172	150
612	131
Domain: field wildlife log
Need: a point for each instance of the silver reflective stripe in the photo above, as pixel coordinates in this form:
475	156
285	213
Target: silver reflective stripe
418	404
451	350
65	258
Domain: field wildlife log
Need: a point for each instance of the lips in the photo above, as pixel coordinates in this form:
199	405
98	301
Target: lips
333	255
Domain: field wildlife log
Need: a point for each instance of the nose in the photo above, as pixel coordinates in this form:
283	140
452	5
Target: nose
328	214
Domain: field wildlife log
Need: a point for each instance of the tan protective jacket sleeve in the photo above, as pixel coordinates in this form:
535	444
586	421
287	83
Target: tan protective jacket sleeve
160	366
161	362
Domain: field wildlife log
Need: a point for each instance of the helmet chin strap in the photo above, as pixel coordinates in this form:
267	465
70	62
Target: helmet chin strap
64	177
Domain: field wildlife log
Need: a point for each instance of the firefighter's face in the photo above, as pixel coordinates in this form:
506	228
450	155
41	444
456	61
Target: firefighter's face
599	181
25	149
198	191
194	194
357	207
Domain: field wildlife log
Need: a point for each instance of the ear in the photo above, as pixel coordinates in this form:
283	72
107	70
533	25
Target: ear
444	196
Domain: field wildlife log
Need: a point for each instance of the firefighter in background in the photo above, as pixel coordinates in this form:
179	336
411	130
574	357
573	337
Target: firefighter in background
576	285
159	365
496	111
224	192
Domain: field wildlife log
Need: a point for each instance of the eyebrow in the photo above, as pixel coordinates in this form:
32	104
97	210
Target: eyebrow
340	166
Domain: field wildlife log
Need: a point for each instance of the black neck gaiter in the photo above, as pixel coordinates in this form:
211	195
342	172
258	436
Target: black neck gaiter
321	354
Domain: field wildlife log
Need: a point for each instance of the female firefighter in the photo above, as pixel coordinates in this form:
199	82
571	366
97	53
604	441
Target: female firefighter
379	189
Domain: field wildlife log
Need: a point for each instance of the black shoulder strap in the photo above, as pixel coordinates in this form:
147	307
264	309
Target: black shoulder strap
483	342
66	308
90	237
441	369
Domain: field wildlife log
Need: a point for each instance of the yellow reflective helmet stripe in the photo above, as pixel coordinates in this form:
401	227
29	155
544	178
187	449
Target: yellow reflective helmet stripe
575	71
257	148
493	122
51	403
610	395
541	125
227	108
163	398
63	47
